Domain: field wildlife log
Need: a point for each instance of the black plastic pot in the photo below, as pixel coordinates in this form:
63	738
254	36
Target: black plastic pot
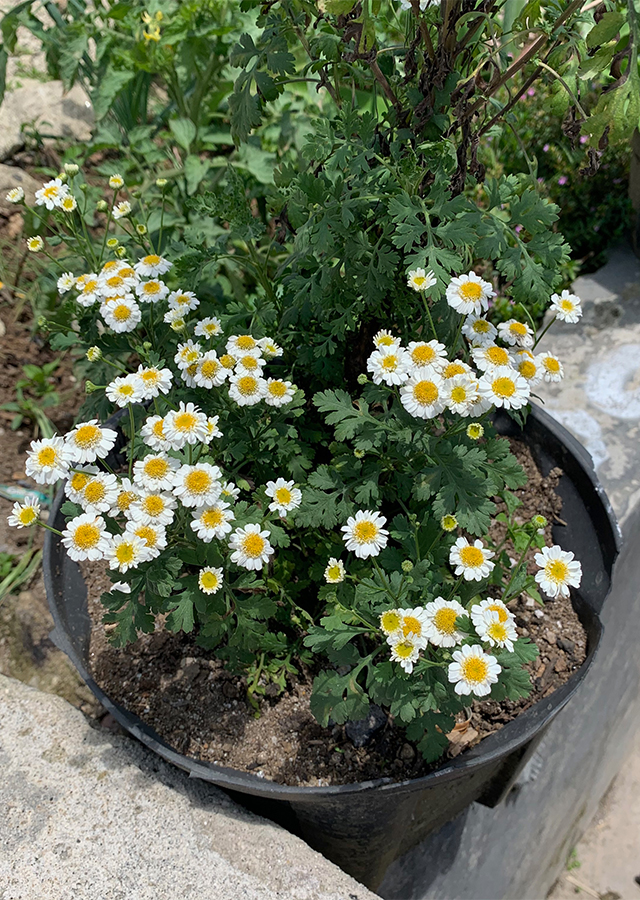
364	827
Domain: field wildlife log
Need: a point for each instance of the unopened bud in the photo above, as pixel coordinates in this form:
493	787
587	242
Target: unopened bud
539	521
121	251
94	354
42	323
141	229
62	176
101	205
83	187
90	387
362	379
407	566
475	431
71	168
161	182
147	346
358	454
112	242
448	523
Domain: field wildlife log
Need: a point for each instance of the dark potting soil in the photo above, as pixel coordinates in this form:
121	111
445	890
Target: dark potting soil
188	698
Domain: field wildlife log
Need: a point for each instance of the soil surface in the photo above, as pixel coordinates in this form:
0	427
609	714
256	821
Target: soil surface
188	698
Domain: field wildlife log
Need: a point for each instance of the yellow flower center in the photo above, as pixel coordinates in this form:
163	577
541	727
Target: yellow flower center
182	300
79	481
212	517
390	621
150	376
498	356
198	481
449	523
470	291
474	669
527	368
390	362
253	545
152	287
185	421
126	272
503	615
52	191
151	260
453	368
248	362
227	361
125	553
419	280
459	394
404	649
334	573
156	468
518	328
147	534
497	631
567	305
94	491
153	505
68	203
411	625
246	342
47	456
445	620
27	515
86	536
471	556
89	287
277	388
158	429
556	570
283	496
121	312
504	387
425	392
551	364
108	266
87	436
247	385
365	532
423	354
481	326
209	368
115	282
209	581
386	340
126	390
125	499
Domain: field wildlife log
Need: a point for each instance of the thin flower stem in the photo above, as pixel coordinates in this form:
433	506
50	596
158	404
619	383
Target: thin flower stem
431	322
455	587
48	527
542	333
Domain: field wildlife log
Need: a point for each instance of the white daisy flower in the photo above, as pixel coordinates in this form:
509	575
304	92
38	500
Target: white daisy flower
365	534
153	535
391	622
15	195
389	365
278	392
473	671
116	181
51	193
85	537
121	210
426	354
270	349
208	327
100	493
184	300
460	394
423	395
152	265
471	560
480	611
479	331
212	521
66	282
35	244
121	314
127	495
156	472
68	204
210	580
153	508
503	386
152	433
242	344
551	367
516	333
335	571
441	622
187	354
250	365
114	285
420	280
48	460
456	367
251	547
285	496
558	571
228	361
127	551
566	306
174	318
185	425
405	650
230	491
414	625
151	291
490	356
25	514
496	633
89	441
527	365
89	289
197	485
469	294
155	381
125	389
213	431
384	338
247	390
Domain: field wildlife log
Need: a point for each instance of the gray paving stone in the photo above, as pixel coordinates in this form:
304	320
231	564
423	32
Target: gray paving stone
90	815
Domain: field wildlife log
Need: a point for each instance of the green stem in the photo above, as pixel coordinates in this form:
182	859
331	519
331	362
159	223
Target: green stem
542	333
48	527
428	309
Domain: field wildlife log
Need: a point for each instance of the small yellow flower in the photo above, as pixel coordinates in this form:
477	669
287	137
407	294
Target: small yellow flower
35	244
112	242
448	523
475	431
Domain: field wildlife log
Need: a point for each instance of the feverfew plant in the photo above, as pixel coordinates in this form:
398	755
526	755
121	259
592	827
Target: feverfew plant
344	530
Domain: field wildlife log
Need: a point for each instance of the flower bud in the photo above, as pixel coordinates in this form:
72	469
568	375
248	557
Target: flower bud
475	431
161	182
84	187
94	354
362	379
62	176
43	325
101	205
121	251
358	454
147	346
90	387
539	522
141	229
448	523
407	566
112	242
71	169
